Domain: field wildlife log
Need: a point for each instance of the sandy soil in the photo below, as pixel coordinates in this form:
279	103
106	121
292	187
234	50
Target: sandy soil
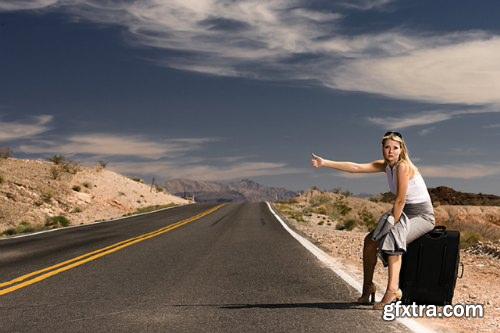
29	193
478	285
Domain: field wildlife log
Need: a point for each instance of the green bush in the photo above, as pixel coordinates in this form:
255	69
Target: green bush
24	227
46	196
468	238
368	219
341	206
55	221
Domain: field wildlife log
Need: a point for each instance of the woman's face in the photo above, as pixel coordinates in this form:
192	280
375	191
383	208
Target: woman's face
391	150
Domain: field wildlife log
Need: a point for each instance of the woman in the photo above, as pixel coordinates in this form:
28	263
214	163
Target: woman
412	198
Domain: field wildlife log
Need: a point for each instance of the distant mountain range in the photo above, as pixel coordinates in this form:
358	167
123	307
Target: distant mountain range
242	190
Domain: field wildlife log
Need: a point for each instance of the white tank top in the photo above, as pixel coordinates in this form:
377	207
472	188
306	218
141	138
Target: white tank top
417	190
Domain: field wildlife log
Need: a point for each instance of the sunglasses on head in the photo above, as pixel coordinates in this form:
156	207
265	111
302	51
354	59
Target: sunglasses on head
393	133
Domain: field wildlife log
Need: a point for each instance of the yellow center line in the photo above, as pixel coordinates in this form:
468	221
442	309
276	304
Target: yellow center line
47	272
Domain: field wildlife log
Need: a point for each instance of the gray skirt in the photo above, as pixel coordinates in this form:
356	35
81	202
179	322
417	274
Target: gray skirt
420	221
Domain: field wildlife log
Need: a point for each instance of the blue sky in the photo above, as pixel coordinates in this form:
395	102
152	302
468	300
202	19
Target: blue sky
222	90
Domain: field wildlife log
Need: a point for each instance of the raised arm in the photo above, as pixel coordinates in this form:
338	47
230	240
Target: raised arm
375	166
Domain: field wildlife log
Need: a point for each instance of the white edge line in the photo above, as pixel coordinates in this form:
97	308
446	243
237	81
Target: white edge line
84	225
338	269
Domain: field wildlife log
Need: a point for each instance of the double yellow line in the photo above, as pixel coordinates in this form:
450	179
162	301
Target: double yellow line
42	274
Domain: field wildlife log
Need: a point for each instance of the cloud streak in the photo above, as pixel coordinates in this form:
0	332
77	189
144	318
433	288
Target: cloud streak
101	144
10	131
428	117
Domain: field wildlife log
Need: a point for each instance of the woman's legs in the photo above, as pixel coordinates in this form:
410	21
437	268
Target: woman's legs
394	262
369	262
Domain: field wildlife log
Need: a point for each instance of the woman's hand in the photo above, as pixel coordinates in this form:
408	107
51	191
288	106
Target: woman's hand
317	161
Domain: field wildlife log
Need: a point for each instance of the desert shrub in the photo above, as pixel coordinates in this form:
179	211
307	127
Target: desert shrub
76	188
468	239
55	172
1	179
321	222
76	210
122	194
158	188
139	180
321	210
54	221
9	232
57	159
319	199
341	191
101	165
24	227
87	184
46	196
373	199
341	206
368	219
70	167
346	225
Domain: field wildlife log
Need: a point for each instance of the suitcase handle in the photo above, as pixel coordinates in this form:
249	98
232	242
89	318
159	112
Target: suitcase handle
438	232
462	274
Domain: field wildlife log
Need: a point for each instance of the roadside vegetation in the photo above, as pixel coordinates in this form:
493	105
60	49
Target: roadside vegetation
26	227
337	210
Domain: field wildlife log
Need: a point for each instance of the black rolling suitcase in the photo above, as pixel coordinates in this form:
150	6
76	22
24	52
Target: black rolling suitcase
430	267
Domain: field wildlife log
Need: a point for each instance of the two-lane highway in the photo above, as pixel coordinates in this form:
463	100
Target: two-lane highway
234	269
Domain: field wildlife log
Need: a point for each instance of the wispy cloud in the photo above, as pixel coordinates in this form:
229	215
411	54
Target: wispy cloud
100	144
464	69
428	117
10	131
461	171
171	170
366	4
26	4
290	40
426	131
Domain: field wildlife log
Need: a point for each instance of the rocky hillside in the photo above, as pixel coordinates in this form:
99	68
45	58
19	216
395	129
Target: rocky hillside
38	194
443	195
448	196
243	190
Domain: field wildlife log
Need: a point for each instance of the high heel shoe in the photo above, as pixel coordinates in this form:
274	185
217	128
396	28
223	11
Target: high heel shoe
368	296
394	296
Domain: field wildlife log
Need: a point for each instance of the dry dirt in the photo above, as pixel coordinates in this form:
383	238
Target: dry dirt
481	271
29	193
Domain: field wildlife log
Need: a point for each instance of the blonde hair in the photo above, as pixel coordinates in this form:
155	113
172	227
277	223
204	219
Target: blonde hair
404	156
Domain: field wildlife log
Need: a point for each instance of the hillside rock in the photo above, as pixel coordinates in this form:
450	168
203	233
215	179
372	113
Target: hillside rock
32	190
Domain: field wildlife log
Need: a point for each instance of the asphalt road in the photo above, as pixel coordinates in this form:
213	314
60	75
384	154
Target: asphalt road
234	270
